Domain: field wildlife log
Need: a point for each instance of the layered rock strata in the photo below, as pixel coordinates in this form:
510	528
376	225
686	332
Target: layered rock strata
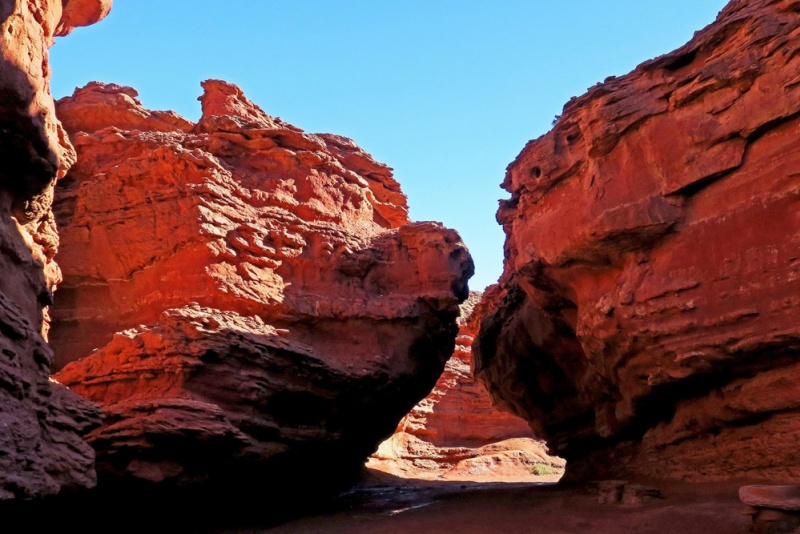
456	433
41	451
648	319
246	301
459	412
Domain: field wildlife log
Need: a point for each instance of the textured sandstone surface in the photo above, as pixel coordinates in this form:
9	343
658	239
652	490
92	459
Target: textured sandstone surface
456	433
243	299
41	450
648	320
459	412
513	460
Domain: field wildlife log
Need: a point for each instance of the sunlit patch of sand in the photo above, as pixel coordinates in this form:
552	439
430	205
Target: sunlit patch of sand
514	460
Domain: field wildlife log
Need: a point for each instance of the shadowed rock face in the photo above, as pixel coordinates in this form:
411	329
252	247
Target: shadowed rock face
458	412
456	433
256	295
41	451
648	320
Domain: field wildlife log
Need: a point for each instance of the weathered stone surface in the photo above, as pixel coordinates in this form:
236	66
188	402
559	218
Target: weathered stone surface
774	509
78	13
786	497
100	105
459	412
41	451
648	320
623	492
255	294
510	460
456	433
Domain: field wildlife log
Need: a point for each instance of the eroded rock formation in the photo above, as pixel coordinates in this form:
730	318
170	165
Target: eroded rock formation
459	412
648	320
245	300
456	433
41	450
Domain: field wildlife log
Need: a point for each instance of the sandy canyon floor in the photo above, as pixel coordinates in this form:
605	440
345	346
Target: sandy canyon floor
393	505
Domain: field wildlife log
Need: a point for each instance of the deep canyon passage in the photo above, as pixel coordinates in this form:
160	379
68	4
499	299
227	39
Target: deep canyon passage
233	325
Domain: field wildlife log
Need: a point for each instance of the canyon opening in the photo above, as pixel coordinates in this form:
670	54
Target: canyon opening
213	320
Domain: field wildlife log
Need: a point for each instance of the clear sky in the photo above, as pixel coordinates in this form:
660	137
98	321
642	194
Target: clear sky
446	92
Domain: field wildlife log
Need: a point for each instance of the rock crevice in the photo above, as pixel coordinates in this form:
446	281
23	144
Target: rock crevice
41	423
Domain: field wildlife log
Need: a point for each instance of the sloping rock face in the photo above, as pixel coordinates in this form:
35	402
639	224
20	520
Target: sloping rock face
260	306
648	320
41	450
456	432
459	412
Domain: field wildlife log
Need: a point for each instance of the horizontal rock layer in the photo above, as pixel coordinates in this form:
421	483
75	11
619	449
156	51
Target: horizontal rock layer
458	412
41	449
242	290
456	433
648	319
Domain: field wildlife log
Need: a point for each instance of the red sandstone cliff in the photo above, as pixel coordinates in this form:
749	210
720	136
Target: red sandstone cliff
40	446
459	412
649	316
456	432
245	300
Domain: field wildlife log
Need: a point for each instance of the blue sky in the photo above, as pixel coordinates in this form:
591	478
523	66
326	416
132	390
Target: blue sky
446	92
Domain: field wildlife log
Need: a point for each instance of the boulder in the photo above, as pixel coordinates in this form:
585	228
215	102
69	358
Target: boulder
775	509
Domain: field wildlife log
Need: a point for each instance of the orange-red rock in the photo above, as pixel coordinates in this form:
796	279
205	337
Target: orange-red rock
456	433
100	105
459	412
648	320
260	306
40	423
408	457
78	13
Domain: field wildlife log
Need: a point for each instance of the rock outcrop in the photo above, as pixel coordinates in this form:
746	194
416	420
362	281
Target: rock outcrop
41	450
456	433
774	509
245	301
648	319
458	412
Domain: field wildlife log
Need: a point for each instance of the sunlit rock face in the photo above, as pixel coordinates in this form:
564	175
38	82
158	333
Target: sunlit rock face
245	301
459	412
457	433
648	319
41	451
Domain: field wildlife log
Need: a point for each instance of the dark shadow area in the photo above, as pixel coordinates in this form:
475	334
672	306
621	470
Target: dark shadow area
518	509
29	162
389	504
153	508
383	492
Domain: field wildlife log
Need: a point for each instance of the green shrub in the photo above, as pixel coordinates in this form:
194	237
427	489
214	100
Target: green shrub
541	470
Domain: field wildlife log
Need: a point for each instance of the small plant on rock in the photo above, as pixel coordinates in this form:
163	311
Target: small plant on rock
541	470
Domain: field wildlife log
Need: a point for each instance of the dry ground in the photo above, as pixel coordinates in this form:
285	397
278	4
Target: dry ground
421	507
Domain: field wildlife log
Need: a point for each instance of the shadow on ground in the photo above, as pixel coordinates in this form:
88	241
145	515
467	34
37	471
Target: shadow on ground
428	507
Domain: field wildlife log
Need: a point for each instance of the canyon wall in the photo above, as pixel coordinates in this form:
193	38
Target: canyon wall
41	450
458	412
247	302
648	318
456	433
